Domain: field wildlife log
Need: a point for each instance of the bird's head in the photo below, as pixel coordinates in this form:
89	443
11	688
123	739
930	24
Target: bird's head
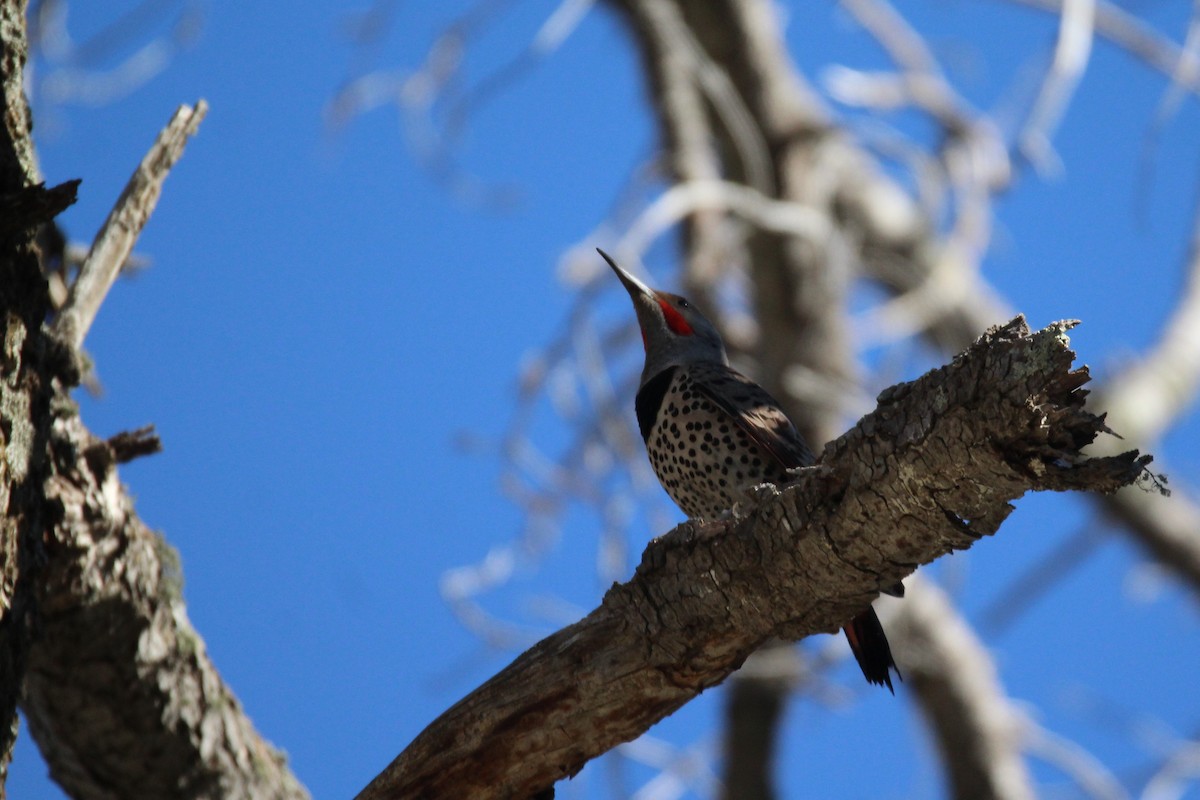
673	330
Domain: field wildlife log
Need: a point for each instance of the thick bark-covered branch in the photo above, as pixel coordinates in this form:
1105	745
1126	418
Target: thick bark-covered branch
1141	403
119	692
29	208
18	164
94	637
120	695
26	363
931	470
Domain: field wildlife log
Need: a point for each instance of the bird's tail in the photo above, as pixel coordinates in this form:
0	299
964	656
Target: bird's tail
870	647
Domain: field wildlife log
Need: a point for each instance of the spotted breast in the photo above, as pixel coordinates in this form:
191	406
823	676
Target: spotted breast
711	433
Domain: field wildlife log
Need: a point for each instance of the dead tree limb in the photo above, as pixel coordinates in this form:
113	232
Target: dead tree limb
902	250
121	695
931	470
94	637
116	238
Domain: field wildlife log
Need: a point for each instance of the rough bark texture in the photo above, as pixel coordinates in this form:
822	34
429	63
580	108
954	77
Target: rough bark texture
118	691
27	362
931	470
18	166
121	695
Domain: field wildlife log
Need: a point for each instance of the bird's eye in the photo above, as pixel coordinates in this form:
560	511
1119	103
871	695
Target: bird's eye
684	303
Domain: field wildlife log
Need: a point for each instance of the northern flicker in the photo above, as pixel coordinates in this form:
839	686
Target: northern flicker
711	433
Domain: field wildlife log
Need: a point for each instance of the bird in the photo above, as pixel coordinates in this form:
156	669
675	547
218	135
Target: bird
712	433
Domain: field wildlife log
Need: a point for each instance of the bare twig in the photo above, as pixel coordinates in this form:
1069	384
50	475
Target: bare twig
1139	39
436	101
1165	526
673	58
1178	771
1090	774
128	445
111	63
114	242
922	80
763	212
1187	73
33	206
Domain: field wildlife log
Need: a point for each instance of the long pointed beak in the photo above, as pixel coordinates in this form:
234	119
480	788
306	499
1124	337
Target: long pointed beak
632	284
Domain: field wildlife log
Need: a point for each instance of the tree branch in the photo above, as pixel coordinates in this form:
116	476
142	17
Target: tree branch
931	470
114	242
840	207
18	164
120	695
1127	31
128	445
117	688
978	731
33	206
26	362
674	74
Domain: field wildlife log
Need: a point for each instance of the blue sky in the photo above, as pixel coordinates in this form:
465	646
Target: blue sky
323	320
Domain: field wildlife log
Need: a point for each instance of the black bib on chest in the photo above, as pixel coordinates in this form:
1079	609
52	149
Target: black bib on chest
649	400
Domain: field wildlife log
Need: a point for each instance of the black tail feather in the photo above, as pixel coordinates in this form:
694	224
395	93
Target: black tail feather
870	646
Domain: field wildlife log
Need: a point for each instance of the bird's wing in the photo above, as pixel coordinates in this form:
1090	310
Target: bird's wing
755	412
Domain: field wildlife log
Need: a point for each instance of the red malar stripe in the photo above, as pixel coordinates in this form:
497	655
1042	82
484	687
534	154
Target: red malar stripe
675	320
